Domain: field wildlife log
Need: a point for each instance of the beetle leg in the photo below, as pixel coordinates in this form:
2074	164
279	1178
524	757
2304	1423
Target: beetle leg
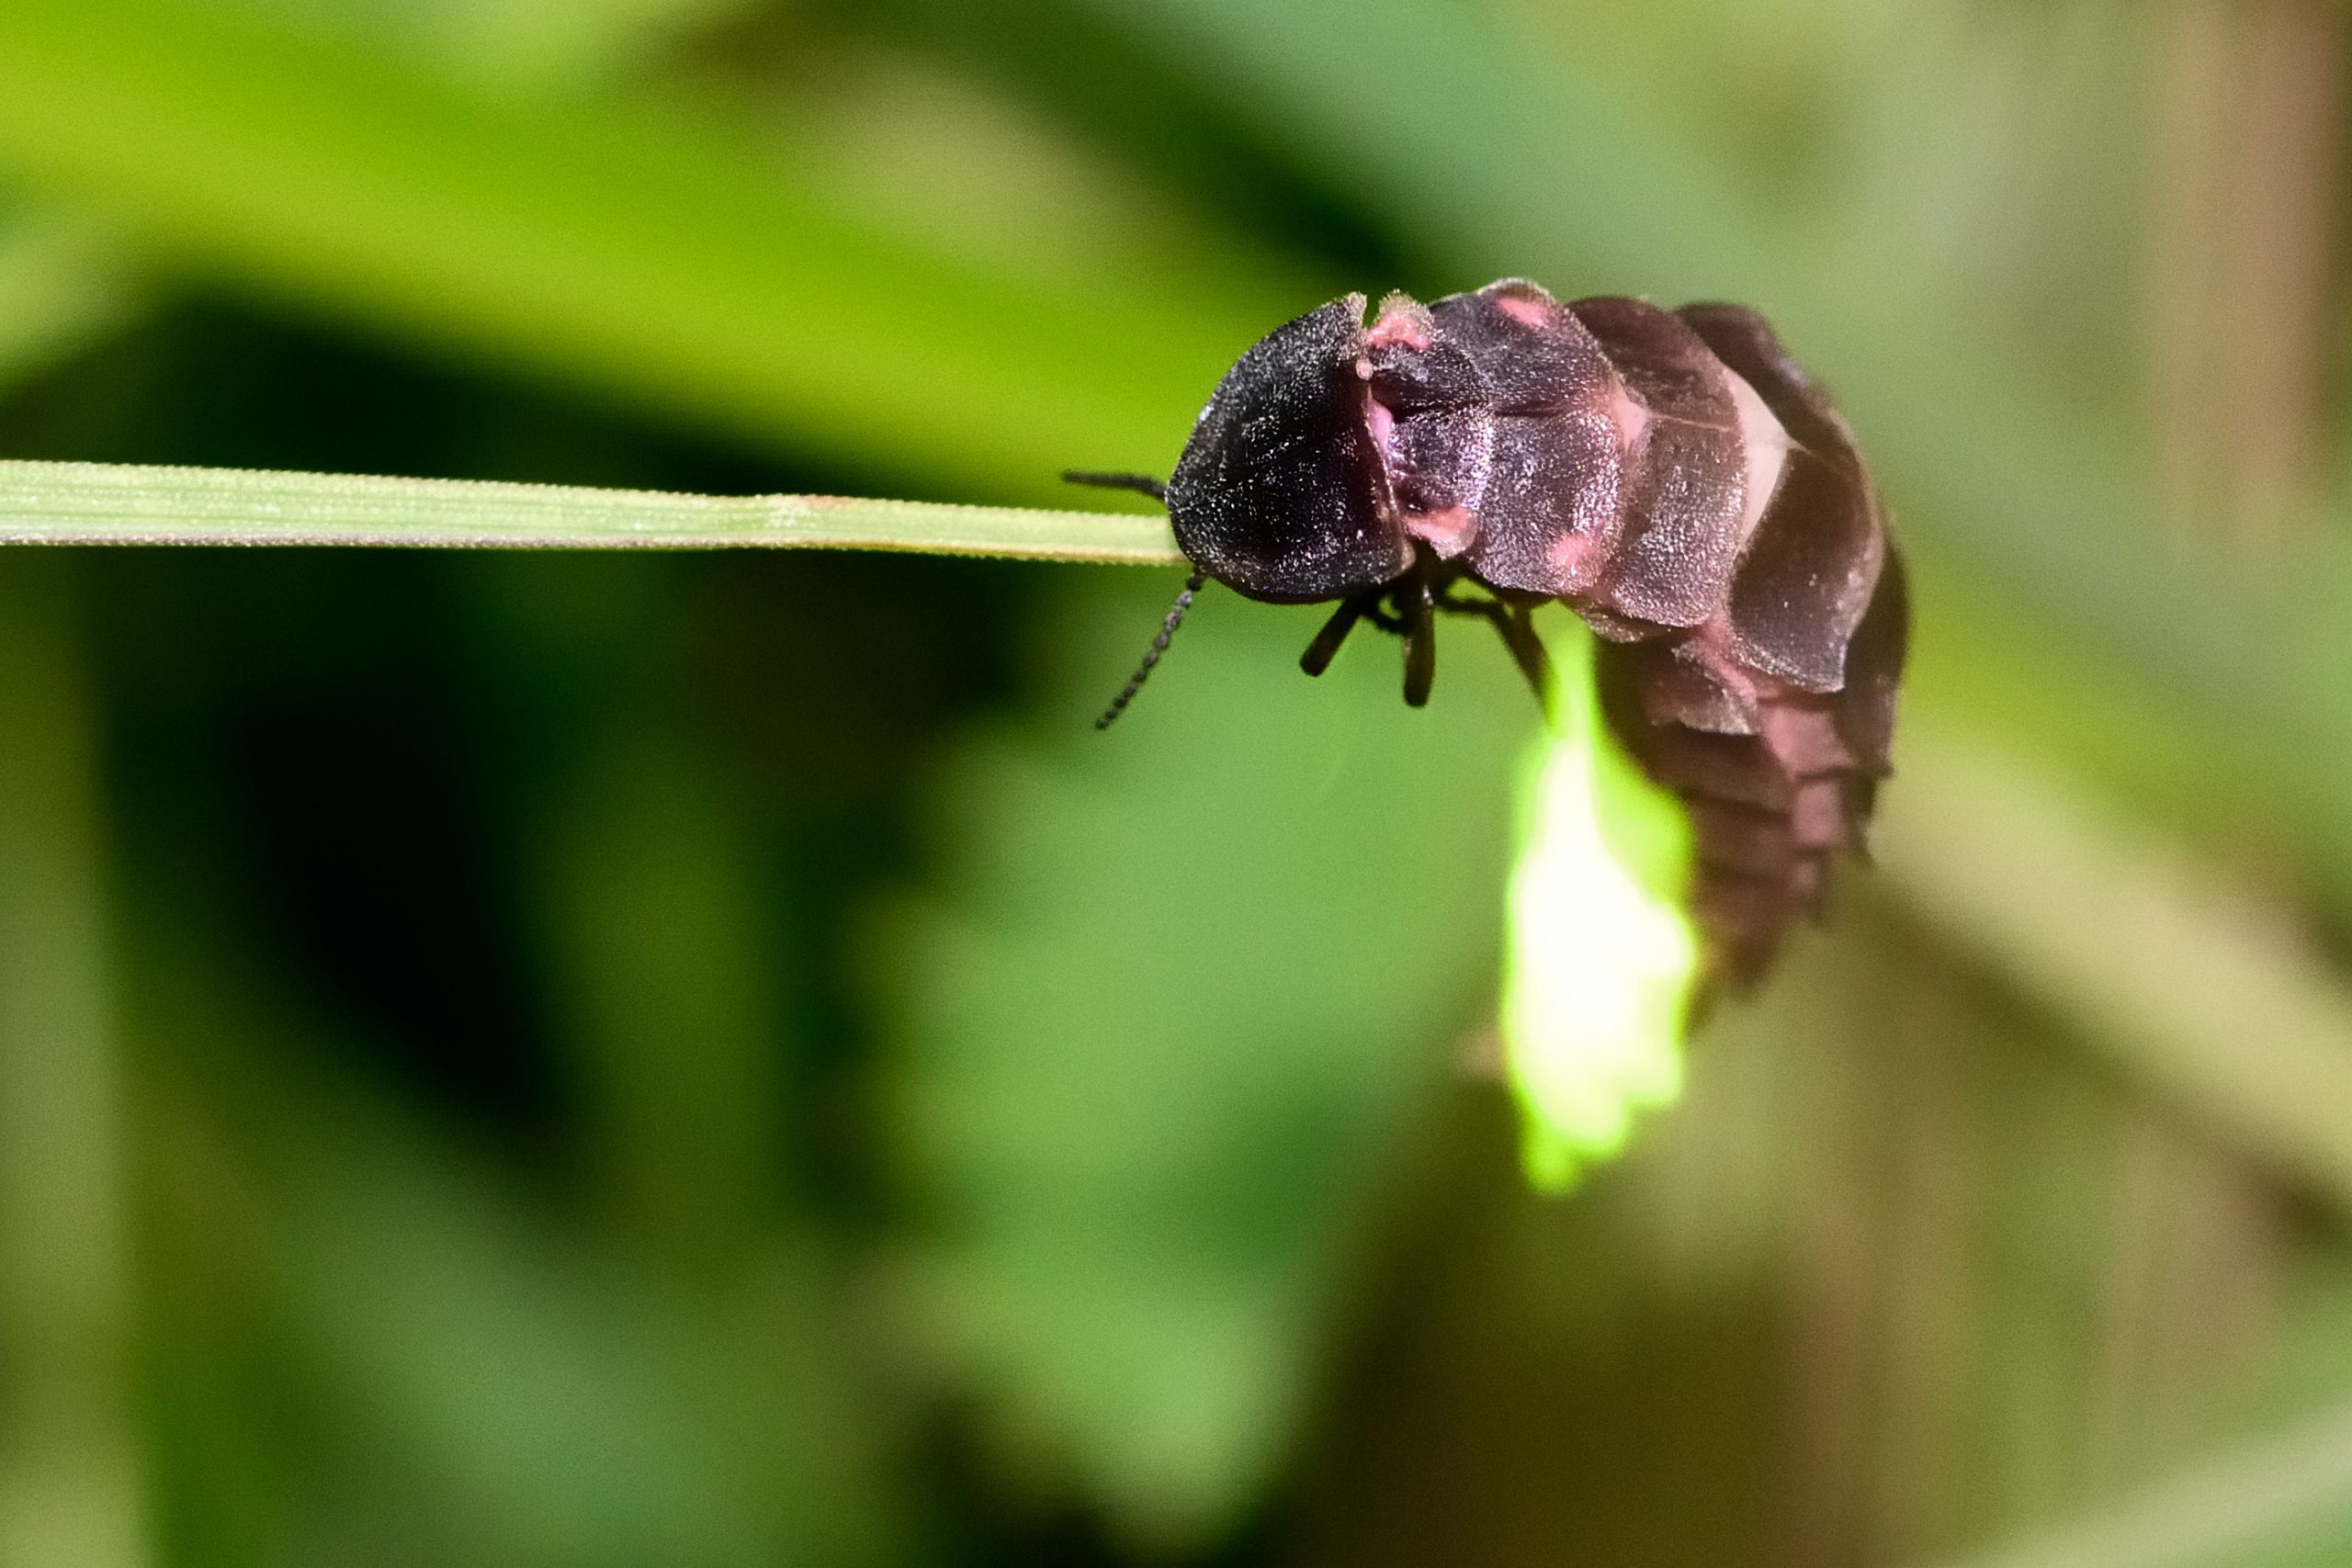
1447	595
1326	646
1516	625
1414	599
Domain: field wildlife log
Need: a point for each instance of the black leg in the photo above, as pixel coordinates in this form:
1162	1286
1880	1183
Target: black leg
1142	482
1326	646
1516	625
1414	602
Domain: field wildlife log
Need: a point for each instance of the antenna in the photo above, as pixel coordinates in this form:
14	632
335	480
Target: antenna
1143	483
1192	585
1146	485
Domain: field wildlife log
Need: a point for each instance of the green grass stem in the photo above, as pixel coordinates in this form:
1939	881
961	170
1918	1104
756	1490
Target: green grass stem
97	504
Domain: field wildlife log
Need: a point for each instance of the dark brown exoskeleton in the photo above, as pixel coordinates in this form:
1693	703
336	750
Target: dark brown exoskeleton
1672	477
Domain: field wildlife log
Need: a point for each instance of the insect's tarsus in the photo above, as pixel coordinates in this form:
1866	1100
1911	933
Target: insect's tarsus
1142	483
1192	585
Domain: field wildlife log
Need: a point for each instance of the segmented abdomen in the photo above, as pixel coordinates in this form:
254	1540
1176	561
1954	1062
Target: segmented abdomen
1676	479
1778	780
1772	718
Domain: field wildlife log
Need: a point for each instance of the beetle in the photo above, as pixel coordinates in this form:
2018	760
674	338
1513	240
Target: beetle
1671	476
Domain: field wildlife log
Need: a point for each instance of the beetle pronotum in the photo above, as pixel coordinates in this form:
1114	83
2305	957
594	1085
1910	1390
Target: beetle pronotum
1672	477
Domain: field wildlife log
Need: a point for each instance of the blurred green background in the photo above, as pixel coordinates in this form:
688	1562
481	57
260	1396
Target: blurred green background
549	1060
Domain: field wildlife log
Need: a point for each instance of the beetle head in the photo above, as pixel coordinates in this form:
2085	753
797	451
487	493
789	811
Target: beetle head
1280	493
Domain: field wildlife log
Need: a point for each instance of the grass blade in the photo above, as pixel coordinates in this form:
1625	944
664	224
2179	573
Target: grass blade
98	504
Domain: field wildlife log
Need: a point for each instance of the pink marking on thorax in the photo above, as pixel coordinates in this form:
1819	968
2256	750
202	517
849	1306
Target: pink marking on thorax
1526	313
1401	328
1381	424
1448	531
1628	415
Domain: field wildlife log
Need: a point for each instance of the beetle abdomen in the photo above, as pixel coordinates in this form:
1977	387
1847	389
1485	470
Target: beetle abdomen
1676	479
1779	781
1772	716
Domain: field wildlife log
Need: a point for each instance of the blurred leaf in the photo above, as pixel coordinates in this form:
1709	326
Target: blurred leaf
626	248
71	1482
2239	1511
2210	1002
938	155
62	286
662	966
567	1406
489	1373
1163	1020
524	45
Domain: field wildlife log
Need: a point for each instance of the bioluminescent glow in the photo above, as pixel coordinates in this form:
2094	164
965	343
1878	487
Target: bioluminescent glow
1602	955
